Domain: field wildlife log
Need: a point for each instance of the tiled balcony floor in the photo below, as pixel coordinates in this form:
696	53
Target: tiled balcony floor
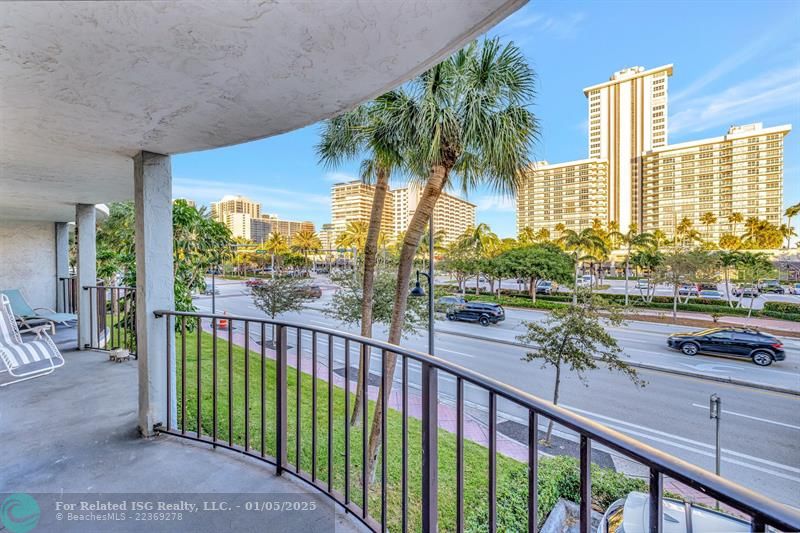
74	431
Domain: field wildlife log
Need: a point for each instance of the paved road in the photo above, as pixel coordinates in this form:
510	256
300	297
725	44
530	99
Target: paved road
761	429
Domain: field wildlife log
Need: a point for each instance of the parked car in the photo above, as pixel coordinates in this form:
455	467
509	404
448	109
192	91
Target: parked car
711	295
706	286
446	303
795	288
632	515
771	289
761	348
312	291
746	291
252	282
484	313
643	284
586	280
545	287
688	289
208	291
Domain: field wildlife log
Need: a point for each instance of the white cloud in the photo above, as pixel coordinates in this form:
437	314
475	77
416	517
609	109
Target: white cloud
339	177
563	27
272	198
495	202
748	100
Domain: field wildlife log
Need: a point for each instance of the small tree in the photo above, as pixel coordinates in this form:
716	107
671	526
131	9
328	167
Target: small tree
576	336
537	262
280	294
750	268
683	266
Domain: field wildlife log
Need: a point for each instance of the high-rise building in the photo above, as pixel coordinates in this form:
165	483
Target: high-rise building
327	237
260	229
352	202
239	224
627	116
572	194
234	204
452	215
741	172
647	181
288	228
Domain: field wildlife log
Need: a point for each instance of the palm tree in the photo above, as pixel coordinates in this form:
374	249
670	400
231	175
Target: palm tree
791	212
363	130
761	234
354	235
728	260
275	245
543	235
684	232
582	245
787	232
707	219
660	238
632	240
483	242
526	236
467	118
560	227
735	218
306	241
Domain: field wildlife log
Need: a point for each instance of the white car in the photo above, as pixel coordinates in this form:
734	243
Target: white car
794	288
632	515
643	284
586	280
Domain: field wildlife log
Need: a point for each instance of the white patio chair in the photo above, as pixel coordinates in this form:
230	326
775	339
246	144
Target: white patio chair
24	360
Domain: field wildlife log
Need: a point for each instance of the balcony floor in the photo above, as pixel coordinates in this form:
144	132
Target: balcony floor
74	431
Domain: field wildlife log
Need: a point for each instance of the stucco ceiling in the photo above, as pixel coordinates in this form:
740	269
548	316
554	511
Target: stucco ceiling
85	85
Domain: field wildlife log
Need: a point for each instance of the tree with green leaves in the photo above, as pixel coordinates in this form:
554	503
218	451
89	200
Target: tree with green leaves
708	219
576	337
534	263
306	241
464	122
750	269
734	219
582	244
791	212
682	267
280	294
274	245
727	260
649	260
631	240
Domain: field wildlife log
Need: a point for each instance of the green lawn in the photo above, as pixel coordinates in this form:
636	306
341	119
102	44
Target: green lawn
558	476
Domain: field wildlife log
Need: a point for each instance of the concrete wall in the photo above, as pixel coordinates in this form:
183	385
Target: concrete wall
28	260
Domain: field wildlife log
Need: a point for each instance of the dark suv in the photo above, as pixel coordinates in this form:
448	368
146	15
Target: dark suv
733	342
484	313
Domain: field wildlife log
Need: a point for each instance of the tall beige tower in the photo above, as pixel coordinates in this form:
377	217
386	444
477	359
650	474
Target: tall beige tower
627	116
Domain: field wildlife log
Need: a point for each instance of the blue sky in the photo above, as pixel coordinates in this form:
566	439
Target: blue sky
735	62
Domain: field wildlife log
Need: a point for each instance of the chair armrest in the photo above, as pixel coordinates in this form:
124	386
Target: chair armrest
51	310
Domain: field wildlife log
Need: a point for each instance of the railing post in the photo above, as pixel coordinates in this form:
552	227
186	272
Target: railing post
656	506
430	447
281	404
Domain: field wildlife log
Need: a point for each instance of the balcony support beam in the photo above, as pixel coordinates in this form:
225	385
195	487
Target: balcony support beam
152	175
86	237
62	264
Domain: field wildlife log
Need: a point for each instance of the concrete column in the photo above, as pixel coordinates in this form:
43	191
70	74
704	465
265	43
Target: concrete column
152	175
62	265
86	237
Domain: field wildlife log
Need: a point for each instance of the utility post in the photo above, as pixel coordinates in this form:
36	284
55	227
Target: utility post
715	413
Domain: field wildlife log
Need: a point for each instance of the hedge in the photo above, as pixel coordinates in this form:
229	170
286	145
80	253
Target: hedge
782	307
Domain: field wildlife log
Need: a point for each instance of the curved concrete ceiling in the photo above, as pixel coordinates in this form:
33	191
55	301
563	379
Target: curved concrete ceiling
85	85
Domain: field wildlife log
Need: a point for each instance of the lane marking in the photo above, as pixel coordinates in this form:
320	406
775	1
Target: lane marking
457	353
616	423
751	417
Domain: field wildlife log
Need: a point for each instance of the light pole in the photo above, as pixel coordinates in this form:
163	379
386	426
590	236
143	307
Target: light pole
715	413
419	292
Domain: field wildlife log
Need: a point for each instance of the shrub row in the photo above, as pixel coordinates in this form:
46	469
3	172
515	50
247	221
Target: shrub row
788	308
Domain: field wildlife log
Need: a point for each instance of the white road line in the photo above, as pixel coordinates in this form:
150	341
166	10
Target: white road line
457	353
751	417
616	423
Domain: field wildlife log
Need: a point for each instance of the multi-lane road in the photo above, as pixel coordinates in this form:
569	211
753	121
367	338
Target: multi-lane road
760	428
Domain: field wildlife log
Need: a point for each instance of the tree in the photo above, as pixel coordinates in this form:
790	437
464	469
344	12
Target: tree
280	294
791	212
685	233
484	244
346	303
468	118
632	240
730	242
660	238
526	236
576	336
306	241
543	235
682	266
761	234
581	245
708	219
649	260
364	130
537	262
727	260
275	245
560	227
354	235
735	218
787	232
751	268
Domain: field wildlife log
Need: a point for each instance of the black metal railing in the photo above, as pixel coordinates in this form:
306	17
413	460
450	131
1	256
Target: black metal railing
112	317
248	410
67	295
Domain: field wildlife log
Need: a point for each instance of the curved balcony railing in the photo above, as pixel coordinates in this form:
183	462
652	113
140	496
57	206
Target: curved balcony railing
261	426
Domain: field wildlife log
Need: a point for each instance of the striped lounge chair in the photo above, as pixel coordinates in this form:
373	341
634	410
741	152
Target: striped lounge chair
24	360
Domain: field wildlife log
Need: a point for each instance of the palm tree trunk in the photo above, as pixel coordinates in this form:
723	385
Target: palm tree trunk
575	288
370	260
674	298
727	286
627	259
413	236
